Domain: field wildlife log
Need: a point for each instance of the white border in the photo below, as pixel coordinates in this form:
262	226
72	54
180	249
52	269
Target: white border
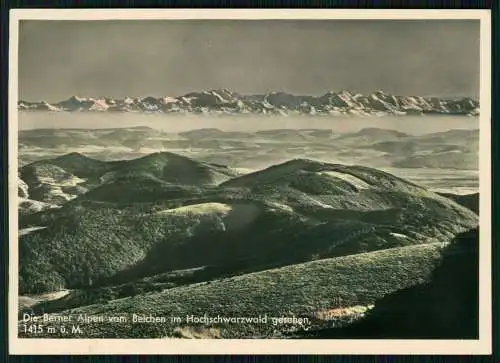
256	346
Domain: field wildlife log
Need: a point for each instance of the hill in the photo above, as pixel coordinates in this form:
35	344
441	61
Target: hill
158	214
449	159
50	183
470	201
30	206
370	135
98	139
453	149
171	168
64	178
73	163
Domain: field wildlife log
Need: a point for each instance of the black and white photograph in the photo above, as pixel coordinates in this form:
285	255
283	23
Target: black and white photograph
263	179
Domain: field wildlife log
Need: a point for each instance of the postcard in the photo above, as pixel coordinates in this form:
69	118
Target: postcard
249	181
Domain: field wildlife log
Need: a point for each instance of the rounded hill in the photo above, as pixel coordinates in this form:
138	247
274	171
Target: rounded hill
163	212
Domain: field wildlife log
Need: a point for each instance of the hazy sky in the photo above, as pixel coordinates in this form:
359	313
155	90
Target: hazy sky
157	58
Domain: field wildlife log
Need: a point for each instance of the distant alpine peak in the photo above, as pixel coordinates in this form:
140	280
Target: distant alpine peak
227	101
345	92
76	98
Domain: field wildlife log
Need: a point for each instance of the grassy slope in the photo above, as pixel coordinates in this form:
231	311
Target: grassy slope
301	290
446	307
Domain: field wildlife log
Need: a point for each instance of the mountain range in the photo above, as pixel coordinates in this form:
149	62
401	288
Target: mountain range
227	102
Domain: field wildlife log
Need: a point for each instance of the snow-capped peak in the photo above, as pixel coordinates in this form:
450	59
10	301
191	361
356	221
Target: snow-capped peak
224	100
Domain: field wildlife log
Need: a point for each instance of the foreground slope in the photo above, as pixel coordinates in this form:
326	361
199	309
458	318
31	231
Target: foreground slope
445	307
302	290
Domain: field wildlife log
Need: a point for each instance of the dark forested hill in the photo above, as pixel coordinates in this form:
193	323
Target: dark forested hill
164	212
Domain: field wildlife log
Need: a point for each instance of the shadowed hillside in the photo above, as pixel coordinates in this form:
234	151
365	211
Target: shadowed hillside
303	290
470	201
446	307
